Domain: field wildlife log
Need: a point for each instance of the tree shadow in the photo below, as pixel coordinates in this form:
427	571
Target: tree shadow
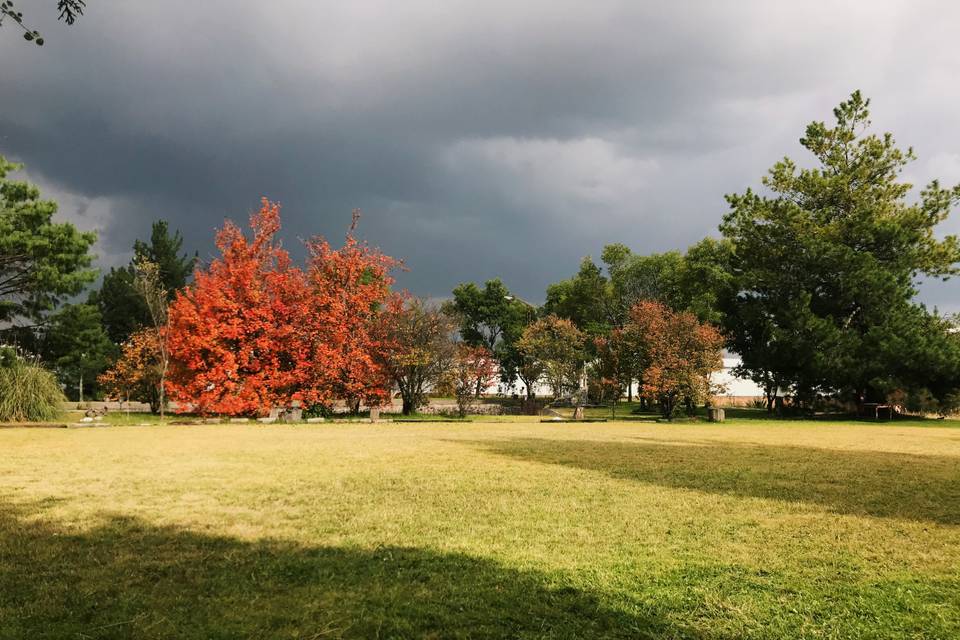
863	483
131	579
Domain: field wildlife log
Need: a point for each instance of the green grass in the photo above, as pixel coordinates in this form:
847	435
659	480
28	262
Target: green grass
749	529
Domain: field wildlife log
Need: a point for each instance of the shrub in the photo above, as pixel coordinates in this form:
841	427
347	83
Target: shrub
28	393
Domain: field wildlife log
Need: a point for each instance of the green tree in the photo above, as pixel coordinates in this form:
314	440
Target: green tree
514	363
481	313
494	318
123	308
584	299
41	262
558	345
825	268
77	348
164	250
696	281
635	278
420	349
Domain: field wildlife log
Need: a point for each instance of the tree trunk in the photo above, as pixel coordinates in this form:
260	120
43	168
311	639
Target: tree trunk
667	406
163	399
408	405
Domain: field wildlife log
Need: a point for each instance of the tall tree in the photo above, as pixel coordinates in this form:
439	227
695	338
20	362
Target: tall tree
634	278
584	299
420	348
75	345
349	289
165	250
482	313
558	345
678	352
154	295
123	309
825	268
494	318
41	262
236	338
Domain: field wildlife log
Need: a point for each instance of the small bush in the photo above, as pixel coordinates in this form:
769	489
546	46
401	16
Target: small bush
29	393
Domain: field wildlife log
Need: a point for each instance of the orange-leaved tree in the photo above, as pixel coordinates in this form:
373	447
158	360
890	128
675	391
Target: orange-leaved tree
236	338
349	292
677	354
138	373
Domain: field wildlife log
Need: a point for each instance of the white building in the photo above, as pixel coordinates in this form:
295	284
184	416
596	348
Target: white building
734	387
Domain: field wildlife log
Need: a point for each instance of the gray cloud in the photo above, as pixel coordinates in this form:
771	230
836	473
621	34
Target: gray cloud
481	139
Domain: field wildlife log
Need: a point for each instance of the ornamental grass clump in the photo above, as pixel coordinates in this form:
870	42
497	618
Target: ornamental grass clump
28	393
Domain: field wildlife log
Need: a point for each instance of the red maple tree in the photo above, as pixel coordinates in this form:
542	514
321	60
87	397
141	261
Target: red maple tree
235	335
254	331
349	289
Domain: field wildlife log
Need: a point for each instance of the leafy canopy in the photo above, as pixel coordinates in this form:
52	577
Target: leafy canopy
42	262
124	309
825	266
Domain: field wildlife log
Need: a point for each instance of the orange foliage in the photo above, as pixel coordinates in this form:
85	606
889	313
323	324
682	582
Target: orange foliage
349	289
255	331
137	373
678	353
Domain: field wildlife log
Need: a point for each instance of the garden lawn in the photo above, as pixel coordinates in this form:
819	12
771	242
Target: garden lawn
620	529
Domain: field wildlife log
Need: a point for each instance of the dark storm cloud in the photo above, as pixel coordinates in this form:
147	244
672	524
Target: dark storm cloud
481	139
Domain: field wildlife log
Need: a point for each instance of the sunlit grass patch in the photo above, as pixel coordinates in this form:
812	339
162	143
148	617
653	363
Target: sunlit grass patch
523	529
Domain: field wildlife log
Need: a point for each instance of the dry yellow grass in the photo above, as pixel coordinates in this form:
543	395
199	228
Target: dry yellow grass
751	529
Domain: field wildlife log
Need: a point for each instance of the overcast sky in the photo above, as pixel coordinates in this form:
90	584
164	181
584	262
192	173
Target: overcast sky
480	139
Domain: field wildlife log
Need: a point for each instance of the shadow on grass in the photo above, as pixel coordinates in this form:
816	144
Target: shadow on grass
130	579
890	485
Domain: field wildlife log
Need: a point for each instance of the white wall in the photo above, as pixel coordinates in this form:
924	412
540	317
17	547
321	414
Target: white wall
735	387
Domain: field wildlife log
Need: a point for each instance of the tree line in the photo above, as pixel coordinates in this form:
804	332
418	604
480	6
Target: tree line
812	282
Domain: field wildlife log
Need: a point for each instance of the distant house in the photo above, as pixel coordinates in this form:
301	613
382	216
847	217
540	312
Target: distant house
736	388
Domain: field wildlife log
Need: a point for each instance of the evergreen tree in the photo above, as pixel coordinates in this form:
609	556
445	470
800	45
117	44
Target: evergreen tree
825	269
41	262
76	346
123	309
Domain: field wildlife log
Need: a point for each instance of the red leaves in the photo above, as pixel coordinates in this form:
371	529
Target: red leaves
254	331
137	373
350	287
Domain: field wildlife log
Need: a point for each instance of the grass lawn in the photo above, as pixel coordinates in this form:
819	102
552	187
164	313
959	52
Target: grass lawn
620	529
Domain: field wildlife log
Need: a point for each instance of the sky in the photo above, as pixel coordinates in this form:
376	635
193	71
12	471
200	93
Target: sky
480	139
